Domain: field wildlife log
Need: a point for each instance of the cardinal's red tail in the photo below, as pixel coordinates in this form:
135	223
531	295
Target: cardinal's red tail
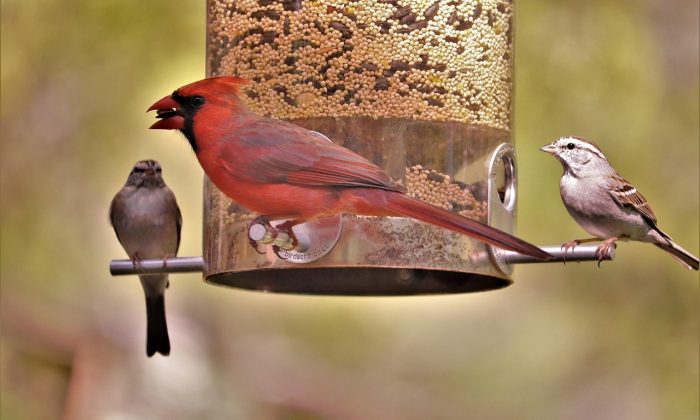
400	204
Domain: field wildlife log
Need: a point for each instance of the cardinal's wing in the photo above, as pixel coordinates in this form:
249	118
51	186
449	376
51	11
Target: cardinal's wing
272	151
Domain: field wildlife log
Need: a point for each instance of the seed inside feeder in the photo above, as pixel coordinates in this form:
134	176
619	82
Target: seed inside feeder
430	60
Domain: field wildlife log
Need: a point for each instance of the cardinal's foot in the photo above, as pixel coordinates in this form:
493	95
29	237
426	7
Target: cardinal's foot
281	237
265	222
286	227
280	252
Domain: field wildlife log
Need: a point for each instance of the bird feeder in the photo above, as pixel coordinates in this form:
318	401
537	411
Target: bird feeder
424	89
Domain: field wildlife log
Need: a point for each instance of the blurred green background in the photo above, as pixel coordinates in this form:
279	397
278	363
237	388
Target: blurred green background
563	342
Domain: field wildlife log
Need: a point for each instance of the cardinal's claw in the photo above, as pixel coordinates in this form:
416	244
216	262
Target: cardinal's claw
254	245
293	237
261	220
286	227
274	231
277	250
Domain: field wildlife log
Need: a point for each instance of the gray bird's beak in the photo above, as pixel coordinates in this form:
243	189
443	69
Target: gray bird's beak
549	148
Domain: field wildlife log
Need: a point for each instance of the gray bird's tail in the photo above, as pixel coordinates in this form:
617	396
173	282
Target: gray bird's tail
683	256
157	339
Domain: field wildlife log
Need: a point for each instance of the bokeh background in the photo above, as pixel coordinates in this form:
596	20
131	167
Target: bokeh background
563	342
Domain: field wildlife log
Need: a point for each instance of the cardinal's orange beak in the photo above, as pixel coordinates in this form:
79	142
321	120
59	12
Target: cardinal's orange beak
168	110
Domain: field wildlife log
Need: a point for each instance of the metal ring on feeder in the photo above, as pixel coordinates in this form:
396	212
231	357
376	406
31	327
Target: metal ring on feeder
502	186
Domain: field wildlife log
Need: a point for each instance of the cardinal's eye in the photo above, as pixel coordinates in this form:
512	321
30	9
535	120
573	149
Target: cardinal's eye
571	146
197	101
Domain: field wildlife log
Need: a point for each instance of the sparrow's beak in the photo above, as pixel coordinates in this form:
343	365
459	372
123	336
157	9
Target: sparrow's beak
168	110
549	148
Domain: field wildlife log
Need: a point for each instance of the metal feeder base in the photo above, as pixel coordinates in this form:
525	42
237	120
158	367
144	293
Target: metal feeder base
358	281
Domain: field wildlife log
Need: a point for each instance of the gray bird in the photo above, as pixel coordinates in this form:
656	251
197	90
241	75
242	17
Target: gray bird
147	220
604	203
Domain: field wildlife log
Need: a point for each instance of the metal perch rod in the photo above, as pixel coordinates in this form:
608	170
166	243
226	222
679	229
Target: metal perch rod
172	265
196	264
580	253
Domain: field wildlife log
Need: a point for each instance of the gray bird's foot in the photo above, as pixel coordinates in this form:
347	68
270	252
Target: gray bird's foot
165	266
136	261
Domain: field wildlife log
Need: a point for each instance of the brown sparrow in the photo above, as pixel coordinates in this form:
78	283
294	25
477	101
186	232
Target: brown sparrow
147	221
604	203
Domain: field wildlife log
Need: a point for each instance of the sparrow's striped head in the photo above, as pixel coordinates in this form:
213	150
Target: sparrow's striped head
576	152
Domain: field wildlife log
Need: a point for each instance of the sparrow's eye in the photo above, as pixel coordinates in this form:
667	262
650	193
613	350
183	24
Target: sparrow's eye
139	170
571	146
159	170
197	101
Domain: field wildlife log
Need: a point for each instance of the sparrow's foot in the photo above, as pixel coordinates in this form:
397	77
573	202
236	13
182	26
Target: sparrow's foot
604	248
570	246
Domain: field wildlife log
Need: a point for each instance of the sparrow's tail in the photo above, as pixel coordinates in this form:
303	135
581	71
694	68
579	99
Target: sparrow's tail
157	339
684	257
399	204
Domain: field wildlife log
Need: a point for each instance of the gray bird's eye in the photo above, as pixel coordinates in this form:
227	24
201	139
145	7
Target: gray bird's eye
570	146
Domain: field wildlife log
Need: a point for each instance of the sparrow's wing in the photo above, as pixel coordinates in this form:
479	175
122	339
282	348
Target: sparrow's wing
272	151
627	196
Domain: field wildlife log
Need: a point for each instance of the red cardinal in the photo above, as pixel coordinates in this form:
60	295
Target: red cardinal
283	171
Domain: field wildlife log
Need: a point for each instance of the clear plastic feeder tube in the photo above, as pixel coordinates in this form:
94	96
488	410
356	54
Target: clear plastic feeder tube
422	88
